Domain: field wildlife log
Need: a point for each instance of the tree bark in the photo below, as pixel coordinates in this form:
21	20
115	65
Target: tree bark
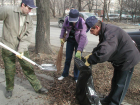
52	7
42	44
104	12
79	5
2	2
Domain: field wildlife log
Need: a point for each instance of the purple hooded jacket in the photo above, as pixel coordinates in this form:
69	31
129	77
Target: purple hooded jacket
80	32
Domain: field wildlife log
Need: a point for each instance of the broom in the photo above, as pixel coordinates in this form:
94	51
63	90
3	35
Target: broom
59	56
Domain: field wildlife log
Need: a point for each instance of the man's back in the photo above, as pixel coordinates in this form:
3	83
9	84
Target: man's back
125	52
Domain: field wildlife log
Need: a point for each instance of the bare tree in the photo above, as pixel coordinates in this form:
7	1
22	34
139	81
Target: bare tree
75	4
2	2
52	7
90	4
121	8
11	2
14	2
79	5
132	6
43	27
59	7
135	10
104	10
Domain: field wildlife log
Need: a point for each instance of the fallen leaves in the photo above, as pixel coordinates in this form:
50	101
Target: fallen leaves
63	92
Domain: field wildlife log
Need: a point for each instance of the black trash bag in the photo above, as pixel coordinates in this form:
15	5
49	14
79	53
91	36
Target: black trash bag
85	92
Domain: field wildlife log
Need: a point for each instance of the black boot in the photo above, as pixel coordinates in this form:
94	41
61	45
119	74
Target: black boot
8	94
43	90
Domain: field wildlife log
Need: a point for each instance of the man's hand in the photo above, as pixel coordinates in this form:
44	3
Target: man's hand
86	58
20	55
62	41
78	54
86	63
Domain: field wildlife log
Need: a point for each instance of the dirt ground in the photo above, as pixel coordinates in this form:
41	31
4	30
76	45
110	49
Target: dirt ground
63	92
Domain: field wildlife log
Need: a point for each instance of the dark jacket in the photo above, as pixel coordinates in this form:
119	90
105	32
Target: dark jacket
115	46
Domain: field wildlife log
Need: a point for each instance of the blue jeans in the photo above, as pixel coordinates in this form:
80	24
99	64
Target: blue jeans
71	44
119	86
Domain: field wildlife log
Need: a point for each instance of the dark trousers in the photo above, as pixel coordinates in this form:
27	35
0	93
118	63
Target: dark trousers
119	86
10	70
71	44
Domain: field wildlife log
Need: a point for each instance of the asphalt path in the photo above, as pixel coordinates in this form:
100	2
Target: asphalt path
23	93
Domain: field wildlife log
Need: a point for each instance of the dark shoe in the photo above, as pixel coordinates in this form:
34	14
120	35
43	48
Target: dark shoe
8	94
43	91
104	101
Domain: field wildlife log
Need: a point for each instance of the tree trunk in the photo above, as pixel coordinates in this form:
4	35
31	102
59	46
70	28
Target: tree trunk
121	6
2	2
43	27
79	5
52	7
64	8
14	2
11	2
104	12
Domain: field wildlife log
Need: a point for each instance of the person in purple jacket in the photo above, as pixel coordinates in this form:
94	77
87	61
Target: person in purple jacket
76	39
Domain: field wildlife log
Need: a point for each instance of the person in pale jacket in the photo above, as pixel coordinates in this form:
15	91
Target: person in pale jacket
67	11
17	33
